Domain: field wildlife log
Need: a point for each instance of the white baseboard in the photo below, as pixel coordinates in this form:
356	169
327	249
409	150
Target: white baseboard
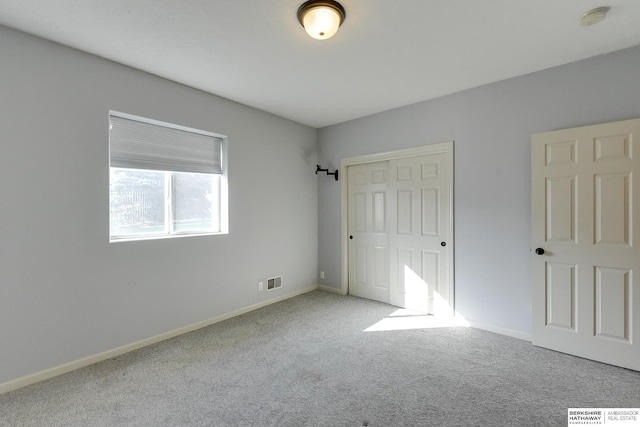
90	360
498	330
331	289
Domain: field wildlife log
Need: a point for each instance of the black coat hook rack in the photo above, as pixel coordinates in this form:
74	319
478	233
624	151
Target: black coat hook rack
334	173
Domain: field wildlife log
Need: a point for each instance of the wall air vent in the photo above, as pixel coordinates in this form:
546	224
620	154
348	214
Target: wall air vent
274	283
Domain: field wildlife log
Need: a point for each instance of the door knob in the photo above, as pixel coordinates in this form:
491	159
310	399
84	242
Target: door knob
539	251
351	237
443	243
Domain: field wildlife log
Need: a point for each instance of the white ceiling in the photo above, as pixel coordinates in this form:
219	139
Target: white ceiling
388	53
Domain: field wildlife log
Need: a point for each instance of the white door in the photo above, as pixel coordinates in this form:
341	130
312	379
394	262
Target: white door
585	236
400	230
368	231
419	237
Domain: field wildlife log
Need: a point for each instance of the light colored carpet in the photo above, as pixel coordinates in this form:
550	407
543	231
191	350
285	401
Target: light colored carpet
308	362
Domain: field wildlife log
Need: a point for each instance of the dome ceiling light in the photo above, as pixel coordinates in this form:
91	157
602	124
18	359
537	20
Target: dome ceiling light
321	18
593	16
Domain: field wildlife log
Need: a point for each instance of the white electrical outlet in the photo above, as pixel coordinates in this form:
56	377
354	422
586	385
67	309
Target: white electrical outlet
322	274
260	286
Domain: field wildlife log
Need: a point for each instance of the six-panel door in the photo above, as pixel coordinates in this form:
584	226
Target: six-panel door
419	233
584	197
368	231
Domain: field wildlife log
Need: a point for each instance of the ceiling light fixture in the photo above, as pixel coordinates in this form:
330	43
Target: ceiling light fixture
593	16
321	18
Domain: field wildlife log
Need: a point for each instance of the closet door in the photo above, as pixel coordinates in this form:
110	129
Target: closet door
400	247
369	231
419	233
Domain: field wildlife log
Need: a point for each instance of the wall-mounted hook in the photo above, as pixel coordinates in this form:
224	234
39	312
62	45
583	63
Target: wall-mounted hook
319	169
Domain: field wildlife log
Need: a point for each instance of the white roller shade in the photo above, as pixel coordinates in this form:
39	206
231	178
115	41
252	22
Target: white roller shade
140	145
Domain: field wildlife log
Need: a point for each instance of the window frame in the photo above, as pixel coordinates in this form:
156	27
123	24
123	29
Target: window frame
169	184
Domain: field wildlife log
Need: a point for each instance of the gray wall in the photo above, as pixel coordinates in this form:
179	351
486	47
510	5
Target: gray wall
65	292
491	126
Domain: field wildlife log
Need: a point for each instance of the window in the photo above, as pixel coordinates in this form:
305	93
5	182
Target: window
164	180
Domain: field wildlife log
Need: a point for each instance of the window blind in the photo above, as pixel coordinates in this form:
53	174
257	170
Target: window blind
140	145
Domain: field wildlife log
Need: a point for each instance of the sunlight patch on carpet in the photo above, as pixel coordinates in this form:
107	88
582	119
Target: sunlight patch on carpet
404	319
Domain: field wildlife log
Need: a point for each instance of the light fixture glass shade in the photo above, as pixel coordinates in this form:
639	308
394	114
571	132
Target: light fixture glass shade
321	22
321	18
594	16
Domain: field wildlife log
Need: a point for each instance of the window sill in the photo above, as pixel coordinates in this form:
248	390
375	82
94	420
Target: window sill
118	239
